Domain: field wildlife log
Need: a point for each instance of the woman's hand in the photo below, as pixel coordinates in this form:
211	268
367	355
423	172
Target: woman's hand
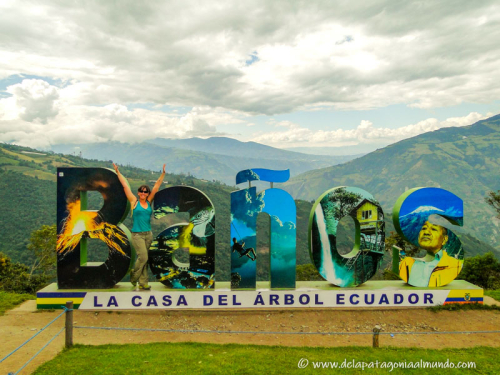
116	168
157	185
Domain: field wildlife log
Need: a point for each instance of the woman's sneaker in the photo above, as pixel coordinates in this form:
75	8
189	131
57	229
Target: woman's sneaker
144	287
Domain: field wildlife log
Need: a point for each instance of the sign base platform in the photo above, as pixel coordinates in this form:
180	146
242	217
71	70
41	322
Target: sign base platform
307	295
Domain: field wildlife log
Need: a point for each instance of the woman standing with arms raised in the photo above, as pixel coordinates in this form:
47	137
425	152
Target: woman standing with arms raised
141	229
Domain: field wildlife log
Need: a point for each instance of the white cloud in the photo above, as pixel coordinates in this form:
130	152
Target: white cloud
365	133
34	99
230	60
39	114
423	54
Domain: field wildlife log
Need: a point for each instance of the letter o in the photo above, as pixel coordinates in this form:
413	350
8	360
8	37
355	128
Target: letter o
306	297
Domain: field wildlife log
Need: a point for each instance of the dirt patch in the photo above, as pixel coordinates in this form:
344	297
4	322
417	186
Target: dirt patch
20	324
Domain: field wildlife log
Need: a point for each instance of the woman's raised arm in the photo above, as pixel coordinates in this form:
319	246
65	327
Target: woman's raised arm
130	196
157	185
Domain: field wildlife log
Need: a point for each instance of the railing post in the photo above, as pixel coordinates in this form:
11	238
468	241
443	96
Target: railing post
376	331
69	324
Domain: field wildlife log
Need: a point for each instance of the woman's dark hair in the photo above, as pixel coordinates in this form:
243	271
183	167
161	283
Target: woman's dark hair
144	187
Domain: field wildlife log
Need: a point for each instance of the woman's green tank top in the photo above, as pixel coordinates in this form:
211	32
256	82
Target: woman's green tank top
142	218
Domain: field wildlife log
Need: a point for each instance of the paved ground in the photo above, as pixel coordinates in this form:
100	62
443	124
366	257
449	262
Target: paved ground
19	324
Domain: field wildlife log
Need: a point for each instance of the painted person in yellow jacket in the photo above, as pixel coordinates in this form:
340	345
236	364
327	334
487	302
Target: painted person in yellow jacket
437	268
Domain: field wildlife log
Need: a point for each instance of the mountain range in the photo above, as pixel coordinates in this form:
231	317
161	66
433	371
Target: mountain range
463	160
216	158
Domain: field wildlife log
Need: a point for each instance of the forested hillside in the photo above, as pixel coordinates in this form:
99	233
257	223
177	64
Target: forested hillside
463	160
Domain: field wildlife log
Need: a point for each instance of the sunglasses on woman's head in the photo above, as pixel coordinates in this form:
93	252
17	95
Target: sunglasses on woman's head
143	191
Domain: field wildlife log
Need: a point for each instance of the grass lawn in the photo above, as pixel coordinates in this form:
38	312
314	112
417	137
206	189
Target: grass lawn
493	294
10	300
196	358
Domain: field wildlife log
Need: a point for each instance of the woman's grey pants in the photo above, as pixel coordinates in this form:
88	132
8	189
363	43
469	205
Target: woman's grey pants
142	242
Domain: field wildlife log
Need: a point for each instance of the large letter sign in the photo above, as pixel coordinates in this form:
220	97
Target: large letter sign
75	224
198	235
363	261
444	259
245	206
412	217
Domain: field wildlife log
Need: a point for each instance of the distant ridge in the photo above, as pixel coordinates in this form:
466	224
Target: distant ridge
216	158
233	147
336	151
463	160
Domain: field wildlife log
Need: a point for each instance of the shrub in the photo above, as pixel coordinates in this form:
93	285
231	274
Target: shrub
15	277
307	272
482	270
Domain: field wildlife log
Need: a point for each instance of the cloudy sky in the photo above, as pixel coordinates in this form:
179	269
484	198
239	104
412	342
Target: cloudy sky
282	73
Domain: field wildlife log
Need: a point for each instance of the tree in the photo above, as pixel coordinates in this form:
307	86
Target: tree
493	199
344	201
395	239
15	277
43	245
19	278
482	270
